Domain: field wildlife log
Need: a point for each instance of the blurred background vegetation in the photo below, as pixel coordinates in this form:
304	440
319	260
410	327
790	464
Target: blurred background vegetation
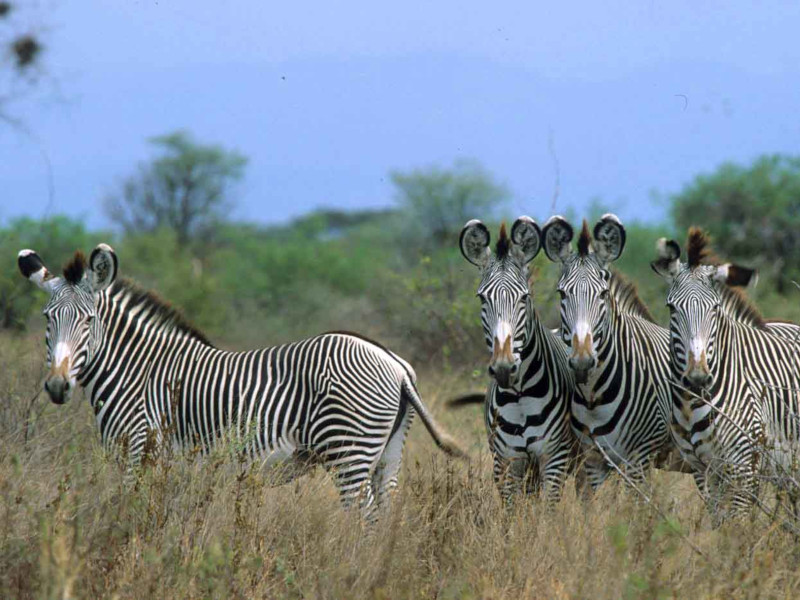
394	274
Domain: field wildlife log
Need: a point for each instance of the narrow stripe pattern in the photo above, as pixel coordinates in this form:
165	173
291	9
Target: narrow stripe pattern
743	424
624	405
337	399
527	424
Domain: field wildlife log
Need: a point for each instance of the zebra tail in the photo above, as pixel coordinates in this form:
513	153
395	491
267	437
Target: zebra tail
445	441
465	400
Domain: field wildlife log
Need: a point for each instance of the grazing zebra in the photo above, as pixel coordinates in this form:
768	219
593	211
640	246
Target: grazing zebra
527	403
336	399
737	388
619	355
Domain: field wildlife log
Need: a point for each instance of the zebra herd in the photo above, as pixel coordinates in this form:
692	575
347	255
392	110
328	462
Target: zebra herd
715	394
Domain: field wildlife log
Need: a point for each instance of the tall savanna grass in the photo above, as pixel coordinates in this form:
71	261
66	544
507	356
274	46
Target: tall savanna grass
190	526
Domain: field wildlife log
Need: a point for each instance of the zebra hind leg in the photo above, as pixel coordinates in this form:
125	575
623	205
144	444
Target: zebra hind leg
351	467
384	478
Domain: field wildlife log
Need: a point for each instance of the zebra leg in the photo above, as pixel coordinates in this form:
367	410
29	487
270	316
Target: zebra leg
352	467
509	475
384	479
553	473
597	470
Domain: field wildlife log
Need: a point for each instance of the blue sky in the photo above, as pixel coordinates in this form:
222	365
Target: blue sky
326	99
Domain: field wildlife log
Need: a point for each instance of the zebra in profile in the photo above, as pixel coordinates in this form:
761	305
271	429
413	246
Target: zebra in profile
737	387
620	356
337	399
527	403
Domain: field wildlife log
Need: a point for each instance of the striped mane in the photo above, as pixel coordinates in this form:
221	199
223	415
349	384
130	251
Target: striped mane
698	249
158	310
627	297
75	268
735	302
738	306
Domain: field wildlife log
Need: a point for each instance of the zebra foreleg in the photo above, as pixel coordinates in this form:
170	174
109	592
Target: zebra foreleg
597	471
553	473
512	476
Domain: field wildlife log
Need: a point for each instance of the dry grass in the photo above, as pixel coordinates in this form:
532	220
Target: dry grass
212	527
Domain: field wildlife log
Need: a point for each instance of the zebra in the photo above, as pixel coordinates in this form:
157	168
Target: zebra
337	399
619	355
527	403
737	387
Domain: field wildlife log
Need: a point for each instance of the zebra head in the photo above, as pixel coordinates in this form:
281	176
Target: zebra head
73	332
694	304
584	284
506	312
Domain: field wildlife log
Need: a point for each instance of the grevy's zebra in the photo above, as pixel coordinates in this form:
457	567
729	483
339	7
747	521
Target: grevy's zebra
619	355
336	399
747	372
527	403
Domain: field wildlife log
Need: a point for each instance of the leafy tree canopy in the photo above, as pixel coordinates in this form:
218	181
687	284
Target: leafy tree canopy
186	189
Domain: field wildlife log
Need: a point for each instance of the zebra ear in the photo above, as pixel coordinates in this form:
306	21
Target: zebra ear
103	267
527	238
33	269
734	275
474	243
557	234
609	238
668	258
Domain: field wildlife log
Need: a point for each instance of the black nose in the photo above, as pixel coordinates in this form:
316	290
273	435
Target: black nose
505	376
58	389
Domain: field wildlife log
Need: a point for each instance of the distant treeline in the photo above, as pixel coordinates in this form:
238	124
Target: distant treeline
397	274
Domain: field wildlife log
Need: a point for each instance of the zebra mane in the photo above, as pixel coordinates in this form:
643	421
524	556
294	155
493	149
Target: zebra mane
158	309
698	249
737	305
75	268
584	240
503	243
735	301
626	296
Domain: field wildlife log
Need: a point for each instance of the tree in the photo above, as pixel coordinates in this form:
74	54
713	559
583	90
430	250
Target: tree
752	212
440	201
185	189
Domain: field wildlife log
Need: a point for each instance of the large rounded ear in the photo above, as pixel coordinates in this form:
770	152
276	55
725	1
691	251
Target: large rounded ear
668	260
735	275
474	242
557	234
33	269
103	267
609	238
526	237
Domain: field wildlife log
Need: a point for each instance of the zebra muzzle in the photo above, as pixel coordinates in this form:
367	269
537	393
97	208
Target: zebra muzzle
698	374
57	384
504	366
582	360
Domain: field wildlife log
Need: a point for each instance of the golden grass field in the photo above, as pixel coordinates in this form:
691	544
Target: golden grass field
212	527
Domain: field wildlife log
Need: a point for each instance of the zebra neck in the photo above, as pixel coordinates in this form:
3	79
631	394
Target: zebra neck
138	330
541	341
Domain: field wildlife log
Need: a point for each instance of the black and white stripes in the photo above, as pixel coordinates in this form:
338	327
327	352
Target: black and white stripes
737	386
336	399
527	403
620	356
